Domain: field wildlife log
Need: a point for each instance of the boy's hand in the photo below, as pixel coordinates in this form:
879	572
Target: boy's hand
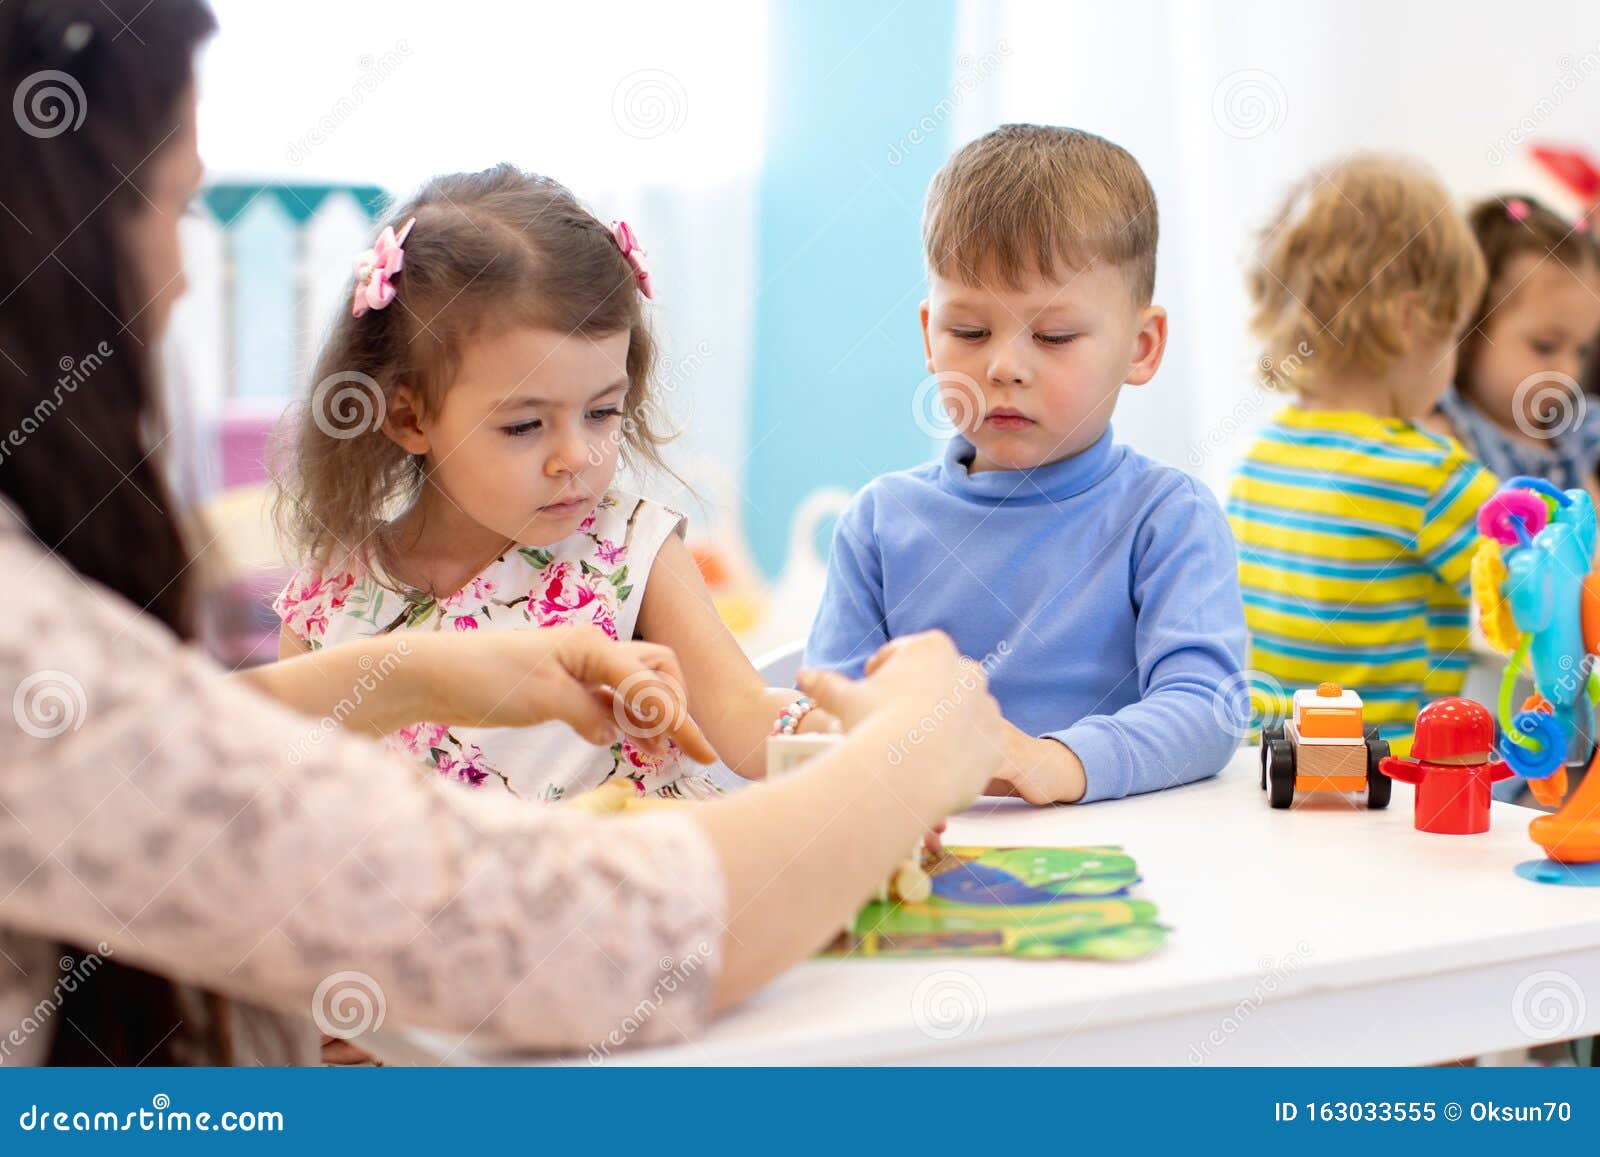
1040	771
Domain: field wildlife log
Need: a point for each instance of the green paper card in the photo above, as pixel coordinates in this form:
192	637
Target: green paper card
1048	903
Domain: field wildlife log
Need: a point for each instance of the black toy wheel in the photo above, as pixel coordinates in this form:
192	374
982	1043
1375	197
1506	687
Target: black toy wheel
1280	773
1379	786
1269	733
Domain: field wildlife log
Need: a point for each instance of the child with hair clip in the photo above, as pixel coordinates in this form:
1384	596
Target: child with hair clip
1356	525
454	470
1517	403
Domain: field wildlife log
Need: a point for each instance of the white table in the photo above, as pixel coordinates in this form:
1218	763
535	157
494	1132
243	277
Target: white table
1327	934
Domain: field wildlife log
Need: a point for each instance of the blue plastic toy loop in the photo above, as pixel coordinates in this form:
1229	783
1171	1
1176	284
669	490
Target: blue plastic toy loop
1539	485
1551	755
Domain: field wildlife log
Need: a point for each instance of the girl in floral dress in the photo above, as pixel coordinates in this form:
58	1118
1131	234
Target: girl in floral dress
453	470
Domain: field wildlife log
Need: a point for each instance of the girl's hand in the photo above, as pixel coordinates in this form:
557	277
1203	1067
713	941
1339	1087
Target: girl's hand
818	722
950	723
598	687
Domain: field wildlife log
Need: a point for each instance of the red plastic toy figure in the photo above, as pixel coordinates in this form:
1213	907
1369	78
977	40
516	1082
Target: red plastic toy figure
1452	770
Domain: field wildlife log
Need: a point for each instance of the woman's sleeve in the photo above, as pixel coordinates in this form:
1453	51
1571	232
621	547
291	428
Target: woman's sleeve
210	835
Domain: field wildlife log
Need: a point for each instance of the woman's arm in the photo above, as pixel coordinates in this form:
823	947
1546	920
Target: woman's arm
726	695
801	854
366	685
210	835
487	679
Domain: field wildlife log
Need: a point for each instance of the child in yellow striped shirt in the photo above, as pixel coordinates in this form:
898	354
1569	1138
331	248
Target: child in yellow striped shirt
1356	525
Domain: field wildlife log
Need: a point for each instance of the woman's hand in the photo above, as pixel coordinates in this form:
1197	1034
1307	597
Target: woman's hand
951	724
578	675
597	686
922	737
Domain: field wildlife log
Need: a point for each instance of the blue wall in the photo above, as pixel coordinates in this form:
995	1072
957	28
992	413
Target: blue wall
856	129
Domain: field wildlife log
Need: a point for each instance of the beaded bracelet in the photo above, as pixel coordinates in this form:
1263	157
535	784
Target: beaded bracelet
789	718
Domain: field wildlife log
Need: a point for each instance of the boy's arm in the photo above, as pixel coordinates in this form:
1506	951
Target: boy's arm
1447	538
1448	534
1189	641
851	624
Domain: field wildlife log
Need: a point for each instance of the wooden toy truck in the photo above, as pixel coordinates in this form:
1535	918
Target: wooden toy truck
1324	746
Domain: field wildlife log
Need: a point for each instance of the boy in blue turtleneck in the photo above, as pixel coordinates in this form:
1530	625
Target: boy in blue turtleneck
1099	588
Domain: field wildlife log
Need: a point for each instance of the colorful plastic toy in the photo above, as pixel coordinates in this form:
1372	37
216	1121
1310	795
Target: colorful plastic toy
1324	746
1451	767
1539	601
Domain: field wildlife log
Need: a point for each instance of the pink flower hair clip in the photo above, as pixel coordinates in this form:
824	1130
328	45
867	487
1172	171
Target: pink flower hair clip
629	244
1517	209
377	267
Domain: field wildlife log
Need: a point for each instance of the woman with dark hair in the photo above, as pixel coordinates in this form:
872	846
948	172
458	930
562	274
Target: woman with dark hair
228	879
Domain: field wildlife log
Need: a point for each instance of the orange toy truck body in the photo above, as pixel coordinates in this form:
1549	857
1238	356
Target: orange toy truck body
1324	746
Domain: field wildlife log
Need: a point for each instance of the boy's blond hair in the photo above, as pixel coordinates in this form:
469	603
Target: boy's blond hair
1348	247
1030	200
